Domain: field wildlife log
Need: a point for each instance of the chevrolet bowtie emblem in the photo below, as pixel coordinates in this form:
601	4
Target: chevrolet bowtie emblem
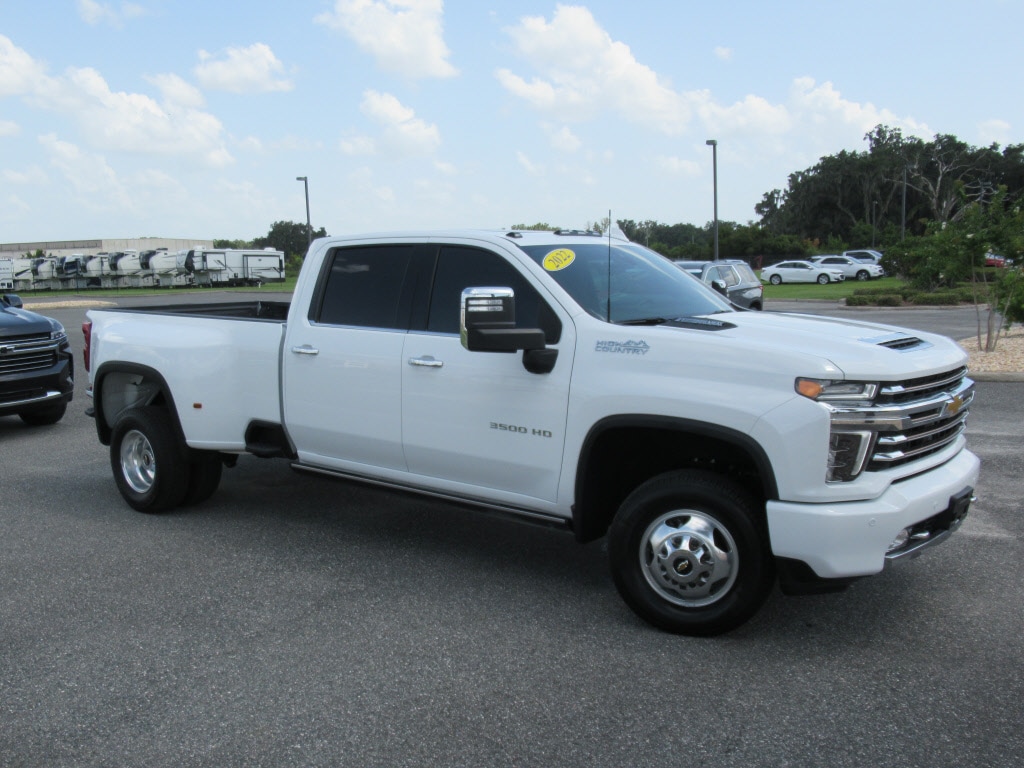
953	406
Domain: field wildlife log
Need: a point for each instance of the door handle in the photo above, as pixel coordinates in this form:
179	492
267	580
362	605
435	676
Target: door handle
305	349
425	362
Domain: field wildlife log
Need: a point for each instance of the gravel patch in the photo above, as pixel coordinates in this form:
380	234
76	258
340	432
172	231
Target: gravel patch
1007	357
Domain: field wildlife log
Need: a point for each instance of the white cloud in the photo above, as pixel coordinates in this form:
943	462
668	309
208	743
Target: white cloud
725	54
92	181
176	91
995	132
115	120
8	128
581	70
93	13
402	132
19	72
679	166
564	139
751	115
242	70
531	168
404	36
33	176
825	105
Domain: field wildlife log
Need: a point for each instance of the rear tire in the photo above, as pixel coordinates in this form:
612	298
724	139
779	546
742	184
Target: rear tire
204	476
150	465
689	553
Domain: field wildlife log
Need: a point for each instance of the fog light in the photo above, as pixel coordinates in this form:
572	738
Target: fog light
901	539
847	455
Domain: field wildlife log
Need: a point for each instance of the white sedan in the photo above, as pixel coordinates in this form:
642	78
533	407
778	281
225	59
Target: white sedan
800	272
852	268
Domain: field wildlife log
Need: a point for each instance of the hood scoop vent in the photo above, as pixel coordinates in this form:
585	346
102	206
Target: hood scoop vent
899	342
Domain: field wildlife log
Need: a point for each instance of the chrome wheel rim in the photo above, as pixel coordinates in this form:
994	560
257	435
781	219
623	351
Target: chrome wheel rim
689	558
138	464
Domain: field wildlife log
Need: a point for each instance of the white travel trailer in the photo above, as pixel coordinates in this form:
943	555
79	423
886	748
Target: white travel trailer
98	272
44	269
6	274
23	276
170	270
126	268
237	266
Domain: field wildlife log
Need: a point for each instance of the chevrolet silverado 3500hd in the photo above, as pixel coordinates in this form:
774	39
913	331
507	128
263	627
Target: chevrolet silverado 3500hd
570	379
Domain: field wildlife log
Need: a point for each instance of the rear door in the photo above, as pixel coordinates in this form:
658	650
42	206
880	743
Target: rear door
342	366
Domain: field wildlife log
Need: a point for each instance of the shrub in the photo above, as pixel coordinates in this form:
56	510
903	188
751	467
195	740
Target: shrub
936	298
874	299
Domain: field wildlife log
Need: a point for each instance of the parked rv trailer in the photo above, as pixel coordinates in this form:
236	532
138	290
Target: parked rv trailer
6	274
236	266
24	278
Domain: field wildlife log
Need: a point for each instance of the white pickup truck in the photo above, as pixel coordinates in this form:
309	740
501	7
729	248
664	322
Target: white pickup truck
566	378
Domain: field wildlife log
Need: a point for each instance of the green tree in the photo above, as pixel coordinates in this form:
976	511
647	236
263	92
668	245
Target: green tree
289	237
540	226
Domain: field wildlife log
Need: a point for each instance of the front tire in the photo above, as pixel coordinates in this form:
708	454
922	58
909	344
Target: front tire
41	417
775	279
150	465
689	553
823	279
863	275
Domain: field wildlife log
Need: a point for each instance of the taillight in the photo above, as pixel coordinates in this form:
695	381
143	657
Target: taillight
87	332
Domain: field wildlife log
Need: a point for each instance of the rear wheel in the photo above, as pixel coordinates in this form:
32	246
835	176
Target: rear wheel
204	477
823	279
150	465
689	553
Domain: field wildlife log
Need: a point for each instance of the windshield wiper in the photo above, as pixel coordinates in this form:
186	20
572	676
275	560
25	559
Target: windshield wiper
644	321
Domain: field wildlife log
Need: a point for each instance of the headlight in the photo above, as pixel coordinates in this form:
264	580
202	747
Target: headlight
849	447
828	391
59	334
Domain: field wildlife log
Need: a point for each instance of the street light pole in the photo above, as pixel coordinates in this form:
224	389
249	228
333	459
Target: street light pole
713	143
309	228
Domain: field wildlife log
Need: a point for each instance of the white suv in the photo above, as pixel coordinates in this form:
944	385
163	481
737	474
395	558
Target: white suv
851	268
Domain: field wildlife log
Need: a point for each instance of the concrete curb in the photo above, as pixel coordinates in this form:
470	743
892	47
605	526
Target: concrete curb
995	376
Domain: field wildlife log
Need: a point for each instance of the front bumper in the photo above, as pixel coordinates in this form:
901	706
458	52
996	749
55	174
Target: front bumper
850	539
35	389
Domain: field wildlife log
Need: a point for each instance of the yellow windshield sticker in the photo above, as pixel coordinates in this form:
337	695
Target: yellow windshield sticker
559	259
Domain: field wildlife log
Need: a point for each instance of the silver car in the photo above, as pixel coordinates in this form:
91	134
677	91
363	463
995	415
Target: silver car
800	272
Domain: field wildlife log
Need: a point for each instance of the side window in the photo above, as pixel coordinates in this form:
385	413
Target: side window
459	268
730	276
364	287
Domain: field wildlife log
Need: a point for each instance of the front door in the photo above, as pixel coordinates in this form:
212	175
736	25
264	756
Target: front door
480	418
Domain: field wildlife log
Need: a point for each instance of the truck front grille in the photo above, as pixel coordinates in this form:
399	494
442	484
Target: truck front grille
23	354
909	419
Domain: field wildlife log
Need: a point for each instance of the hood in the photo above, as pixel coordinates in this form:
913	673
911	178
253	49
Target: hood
861	350
21	322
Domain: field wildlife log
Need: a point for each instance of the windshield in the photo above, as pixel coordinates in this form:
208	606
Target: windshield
645	286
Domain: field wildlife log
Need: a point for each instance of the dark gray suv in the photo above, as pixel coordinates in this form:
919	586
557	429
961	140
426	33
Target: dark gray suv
742	286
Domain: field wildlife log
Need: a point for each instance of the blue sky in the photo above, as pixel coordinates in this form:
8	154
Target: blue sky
172	118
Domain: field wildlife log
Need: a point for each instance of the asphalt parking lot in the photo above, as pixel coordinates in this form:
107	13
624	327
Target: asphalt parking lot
294	620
